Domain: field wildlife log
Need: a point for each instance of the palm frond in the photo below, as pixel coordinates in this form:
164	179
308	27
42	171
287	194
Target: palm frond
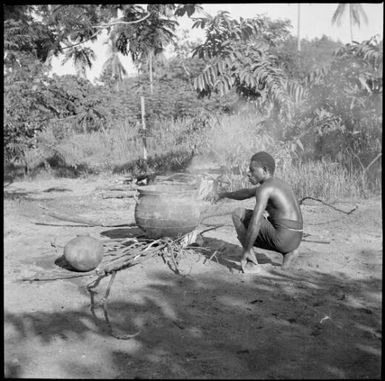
361	12
358	14
339	12
354	15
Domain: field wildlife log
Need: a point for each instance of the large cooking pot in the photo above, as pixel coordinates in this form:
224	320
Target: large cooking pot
167	210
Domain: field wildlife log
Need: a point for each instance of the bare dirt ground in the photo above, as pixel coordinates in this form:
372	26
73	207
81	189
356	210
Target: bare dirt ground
321	319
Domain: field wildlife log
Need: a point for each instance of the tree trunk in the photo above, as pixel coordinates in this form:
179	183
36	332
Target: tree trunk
351	22
299	28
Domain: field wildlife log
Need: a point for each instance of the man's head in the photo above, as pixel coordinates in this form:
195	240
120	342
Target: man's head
262	166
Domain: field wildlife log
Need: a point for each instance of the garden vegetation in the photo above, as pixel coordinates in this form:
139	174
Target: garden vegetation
244	88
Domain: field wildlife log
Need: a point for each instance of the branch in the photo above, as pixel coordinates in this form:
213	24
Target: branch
331	206
212	228
122	22
308	240
73	226
359	160
103	26
82	42
80	220
37	278
372	162
364	170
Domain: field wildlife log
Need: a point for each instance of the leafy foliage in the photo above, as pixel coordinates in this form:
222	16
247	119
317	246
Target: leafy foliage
27	106
313	104
344	106
314	55
339	98
33	33
238	55
82	57
41	100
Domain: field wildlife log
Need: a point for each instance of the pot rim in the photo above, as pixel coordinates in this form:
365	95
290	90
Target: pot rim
157	190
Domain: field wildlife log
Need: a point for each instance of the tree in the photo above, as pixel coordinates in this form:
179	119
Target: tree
315	54
145	41
113	66
345	99
149	39
238	55
356	12
43	30
34	33
82	58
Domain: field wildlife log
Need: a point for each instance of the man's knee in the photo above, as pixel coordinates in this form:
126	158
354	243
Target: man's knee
238	214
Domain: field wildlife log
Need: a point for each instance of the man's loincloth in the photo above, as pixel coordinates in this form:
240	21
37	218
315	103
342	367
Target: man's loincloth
280	235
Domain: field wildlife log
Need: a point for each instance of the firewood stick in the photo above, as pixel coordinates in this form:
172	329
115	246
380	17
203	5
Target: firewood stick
124	261
104	299
308	240
81	220
212	256
37	278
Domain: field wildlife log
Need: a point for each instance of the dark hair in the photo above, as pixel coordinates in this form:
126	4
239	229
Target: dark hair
265	160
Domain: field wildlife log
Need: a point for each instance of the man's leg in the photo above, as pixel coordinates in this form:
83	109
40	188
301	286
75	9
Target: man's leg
238	217
289	258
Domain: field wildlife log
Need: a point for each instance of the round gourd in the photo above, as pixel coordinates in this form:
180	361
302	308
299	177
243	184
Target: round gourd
83	253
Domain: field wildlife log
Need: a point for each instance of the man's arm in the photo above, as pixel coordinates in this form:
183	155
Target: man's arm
241	194
262	197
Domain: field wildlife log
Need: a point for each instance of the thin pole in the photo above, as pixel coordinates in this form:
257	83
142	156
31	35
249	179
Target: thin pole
143	129
151	79
351	21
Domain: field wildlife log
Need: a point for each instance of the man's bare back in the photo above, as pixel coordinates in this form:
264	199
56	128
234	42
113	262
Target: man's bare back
282	202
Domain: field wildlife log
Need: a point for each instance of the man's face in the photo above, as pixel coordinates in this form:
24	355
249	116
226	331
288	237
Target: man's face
256	173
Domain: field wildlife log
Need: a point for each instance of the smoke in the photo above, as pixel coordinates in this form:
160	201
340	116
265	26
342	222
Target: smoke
232	140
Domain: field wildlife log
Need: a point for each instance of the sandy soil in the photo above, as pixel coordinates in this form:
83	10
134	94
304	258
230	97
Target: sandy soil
321	319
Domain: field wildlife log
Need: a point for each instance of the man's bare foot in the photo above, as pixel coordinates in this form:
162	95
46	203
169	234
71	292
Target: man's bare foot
251	268
289	258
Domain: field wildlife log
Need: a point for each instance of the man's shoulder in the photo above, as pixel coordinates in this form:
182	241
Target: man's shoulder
274	183
266	188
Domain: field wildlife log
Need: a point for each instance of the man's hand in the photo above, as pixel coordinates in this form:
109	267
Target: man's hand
248	256
218	196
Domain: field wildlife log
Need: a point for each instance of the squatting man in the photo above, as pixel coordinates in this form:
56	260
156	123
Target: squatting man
282	230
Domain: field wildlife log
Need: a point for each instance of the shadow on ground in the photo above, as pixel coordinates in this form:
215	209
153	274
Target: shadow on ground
228	253
17	195
130	232
297	324
55	165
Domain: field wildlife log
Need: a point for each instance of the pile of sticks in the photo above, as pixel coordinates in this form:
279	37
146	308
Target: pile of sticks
129	252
